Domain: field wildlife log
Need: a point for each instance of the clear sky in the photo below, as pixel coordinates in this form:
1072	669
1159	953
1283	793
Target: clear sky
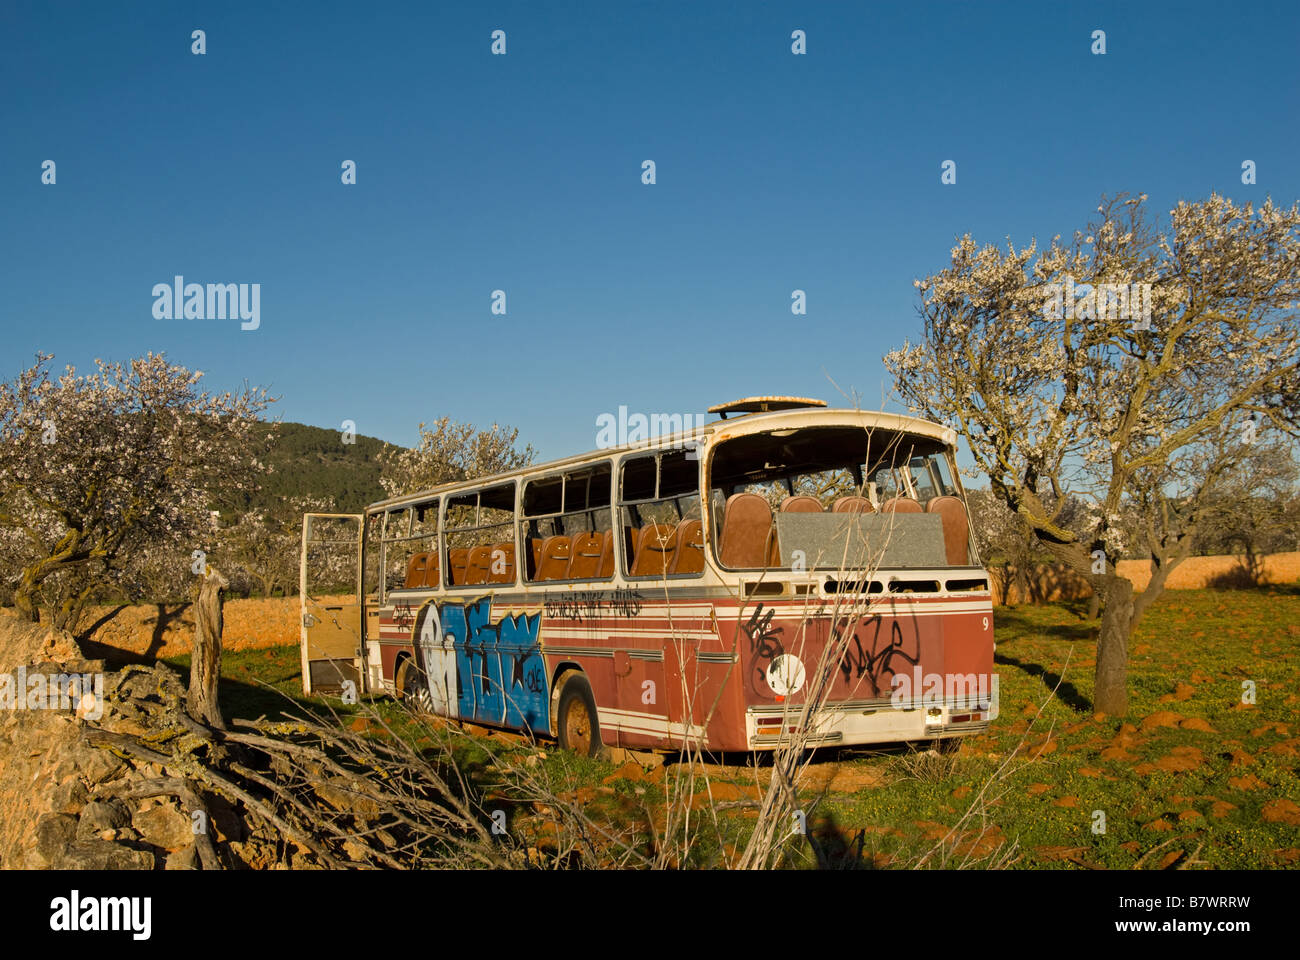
523	173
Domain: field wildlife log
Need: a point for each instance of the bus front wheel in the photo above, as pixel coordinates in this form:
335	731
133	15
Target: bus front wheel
577	723
415	691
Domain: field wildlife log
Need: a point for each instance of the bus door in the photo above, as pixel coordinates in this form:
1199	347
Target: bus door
329	587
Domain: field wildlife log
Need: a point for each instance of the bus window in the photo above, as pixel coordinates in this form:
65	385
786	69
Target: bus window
922	481
884	486
396	547
479	537
943	476
661	514
422	570
370	573
783	496
566	521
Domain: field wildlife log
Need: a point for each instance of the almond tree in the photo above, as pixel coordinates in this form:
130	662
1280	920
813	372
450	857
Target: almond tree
102	468
1082	393
450	452
264	548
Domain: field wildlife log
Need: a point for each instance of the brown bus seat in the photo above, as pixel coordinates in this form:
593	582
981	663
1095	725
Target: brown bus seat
431	572
853	505
689	557
802	504
458	560
554	564
746	534
607	554
479	565
416	570
655	549
585	555
900	505
607	550
956	532
494	560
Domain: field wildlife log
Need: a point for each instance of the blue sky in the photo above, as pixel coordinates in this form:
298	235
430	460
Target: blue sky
522	173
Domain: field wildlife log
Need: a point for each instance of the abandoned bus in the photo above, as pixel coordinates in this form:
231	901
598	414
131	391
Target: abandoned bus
698	588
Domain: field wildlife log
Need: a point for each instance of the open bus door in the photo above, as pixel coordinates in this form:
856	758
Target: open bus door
329	587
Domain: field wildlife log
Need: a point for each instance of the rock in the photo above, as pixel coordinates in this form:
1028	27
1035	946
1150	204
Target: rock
106	855
101	815
165	826
59	646
187	858
341	797
356	852
223	821
69	796
55	833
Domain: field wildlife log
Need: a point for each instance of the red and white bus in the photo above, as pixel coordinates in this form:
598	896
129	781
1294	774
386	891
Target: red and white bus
697	588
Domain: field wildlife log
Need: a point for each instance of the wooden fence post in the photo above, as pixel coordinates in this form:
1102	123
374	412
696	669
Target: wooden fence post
205	659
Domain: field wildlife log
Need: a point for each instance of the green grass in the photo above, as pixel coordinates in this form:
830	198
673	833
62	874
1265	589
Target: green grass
1197	646
1158	786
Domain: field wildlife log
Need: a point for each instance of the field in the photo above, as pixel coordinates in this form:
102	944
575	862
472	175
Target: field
1194	778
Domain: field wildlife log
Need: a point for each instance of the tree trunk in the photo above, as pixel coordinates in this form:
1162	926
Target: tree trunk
25	600
1094	604
1110	695
205	660
1022	584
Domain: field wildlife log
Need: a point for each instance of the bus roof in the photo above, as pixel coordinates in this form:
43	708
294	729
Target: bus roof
710	433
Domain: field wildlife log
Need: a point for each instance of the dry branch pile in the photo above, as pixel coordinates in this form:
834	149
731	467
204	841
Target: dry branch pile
146	785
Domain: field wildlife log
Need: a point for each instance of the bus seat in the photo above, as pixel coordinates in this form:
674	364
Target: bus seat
479	565
458	560
607	549
607	554
746	531
853	505
689	557
431	572
416	570
802	504
956	532
586	552
554	564
494	560
900	505
655	549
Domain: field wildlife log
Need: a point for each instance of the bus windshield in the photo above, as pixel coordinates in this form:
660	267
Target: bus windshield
822	497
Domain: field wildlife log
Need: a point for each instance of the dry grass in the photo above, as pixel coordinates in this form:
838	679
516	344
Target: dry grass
1052	582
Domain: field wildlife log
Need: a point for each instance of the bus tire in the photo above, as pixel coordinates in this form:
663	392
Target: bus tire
415	692
577	724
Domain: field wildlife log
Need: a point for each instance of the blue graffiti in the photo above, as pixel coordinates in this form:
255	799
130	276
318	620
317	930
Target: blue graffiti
500	676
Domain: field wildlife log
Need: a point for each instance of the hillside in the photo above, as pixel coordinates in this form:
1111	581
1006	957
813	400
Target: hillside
312	461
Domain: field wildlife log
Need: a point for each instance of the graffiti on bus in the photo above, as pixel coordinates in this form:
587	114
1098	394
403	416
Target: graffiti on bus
483	671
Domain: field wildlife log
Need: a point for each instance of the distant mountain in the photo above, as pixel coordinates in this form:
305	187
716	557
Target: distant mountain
312	461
